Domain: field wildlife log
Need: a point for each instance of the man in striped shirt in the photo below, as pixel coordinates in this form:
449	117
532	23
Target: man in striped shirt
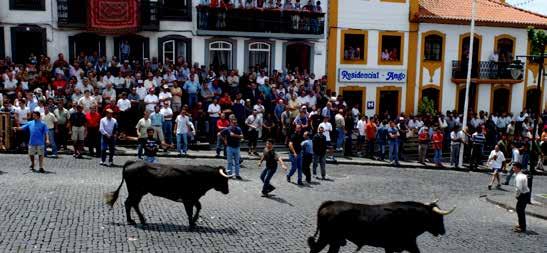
479	139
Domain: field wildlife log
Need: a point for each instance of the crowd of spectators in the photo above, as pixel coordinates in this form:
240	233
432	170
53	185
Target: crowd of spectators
186	103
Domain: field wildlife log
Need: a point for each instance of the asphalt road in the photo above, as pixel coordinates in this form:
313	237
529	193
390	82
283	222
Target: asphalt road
63	210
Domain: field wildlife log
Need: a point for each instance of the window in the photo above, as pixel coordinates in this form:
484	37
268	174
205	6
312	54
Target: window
173	49
259	55
354	47
29	5
505	48
433	49
176	10
391	48
220	55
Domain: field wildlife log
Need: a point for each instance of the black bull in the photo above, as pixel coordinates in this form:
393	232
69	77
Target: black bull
181	183
392	226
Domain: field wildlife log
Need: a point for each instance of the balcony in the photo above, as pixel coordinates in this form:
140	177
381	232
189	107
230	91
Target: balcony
486	72
267	23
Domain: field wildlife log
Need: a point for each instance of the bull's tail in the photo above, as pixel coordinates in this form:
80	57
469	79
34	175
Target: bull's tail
111	197
311	239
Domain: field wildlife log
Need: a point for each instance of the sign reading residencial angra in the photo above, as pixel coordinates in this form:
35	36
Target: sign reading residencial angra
372	75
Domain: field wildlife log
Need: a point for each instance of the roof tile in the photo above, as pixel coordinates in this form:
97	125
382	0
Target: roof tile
490	12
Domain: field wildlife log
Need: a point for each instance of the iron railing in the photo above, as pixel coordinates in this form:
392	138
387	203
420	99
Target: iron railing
485	70
260	20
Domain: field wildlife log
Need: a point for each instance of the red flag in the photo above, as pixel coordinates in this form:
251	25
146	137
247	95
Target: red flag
114	16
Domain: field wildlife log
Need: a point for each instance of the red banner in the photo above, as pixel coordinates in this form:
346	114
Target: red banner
113	16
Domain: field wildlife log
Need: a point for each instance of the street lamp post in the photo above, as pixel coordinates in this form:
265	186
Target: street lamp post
535	132
468	80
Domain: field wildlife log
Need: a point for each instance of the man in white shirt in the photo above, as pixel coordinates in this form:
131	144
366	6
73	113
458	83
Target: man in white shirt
167	126
327	128
151	100
182	128
523	197
495	161
87	101
165	95
515	158
150	82
456	139
124	104
361	125
108	128
214	113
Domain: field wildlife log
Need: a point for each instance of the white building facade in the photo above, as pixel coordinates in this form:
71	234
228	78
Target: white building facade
169	29
370	67
432	41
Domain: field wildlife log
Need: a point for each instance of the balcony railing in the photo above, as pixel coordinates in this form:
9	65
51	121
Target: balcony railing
259	21
486	70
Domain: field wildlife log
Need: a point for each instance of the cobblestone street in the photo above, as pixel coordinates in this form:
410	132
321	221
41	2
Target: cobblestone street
63	210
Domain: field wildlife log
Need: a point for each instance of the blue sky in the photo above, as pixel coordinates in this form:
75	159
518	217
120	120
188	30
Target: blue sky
538	6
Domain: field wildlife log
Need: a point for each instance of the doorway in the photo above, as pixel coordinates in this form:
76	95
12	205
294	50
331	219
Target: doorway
27	40
532	101
138	47
297	57
388	100
354	95
501	100
472	98
433	94
86	44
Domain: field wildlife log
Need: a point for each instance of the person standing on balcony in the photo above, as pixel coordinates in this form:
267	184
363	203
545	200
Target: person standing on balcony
494	60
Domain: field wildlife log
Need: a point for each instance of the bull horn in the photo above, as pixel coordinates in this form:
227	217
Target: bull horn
443	212
221	171
433	202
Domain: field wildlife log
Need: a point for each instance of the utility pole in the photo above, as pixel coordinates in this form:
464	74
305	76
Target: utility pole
468	80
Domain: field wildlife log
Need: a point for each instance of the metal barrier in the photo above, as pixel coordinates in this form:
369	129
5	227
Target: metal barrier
6	132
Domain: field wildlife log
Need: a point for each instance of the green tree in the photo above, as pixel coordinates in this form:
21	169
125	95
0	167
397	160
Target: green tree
538	41
427	106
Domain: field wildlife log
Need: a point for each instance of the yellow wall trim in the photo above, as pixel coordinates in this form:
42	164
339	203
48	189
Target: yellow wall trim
411	68
401	50
432	66
389	88
495	87
332	41
505	36
357	88
364	46
460	49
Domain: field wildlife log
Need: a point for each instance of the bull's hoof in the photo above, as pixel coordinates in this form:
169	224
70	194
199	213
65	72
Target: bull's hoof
131	222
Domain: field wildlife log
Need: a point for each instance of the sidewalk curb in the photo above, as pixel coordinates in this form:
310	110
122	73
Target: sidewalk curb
510	208
345	161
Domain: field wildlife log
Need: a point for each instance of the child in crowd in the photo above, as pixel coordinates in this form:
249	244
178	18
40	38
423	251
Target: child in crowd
271	158
151	146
